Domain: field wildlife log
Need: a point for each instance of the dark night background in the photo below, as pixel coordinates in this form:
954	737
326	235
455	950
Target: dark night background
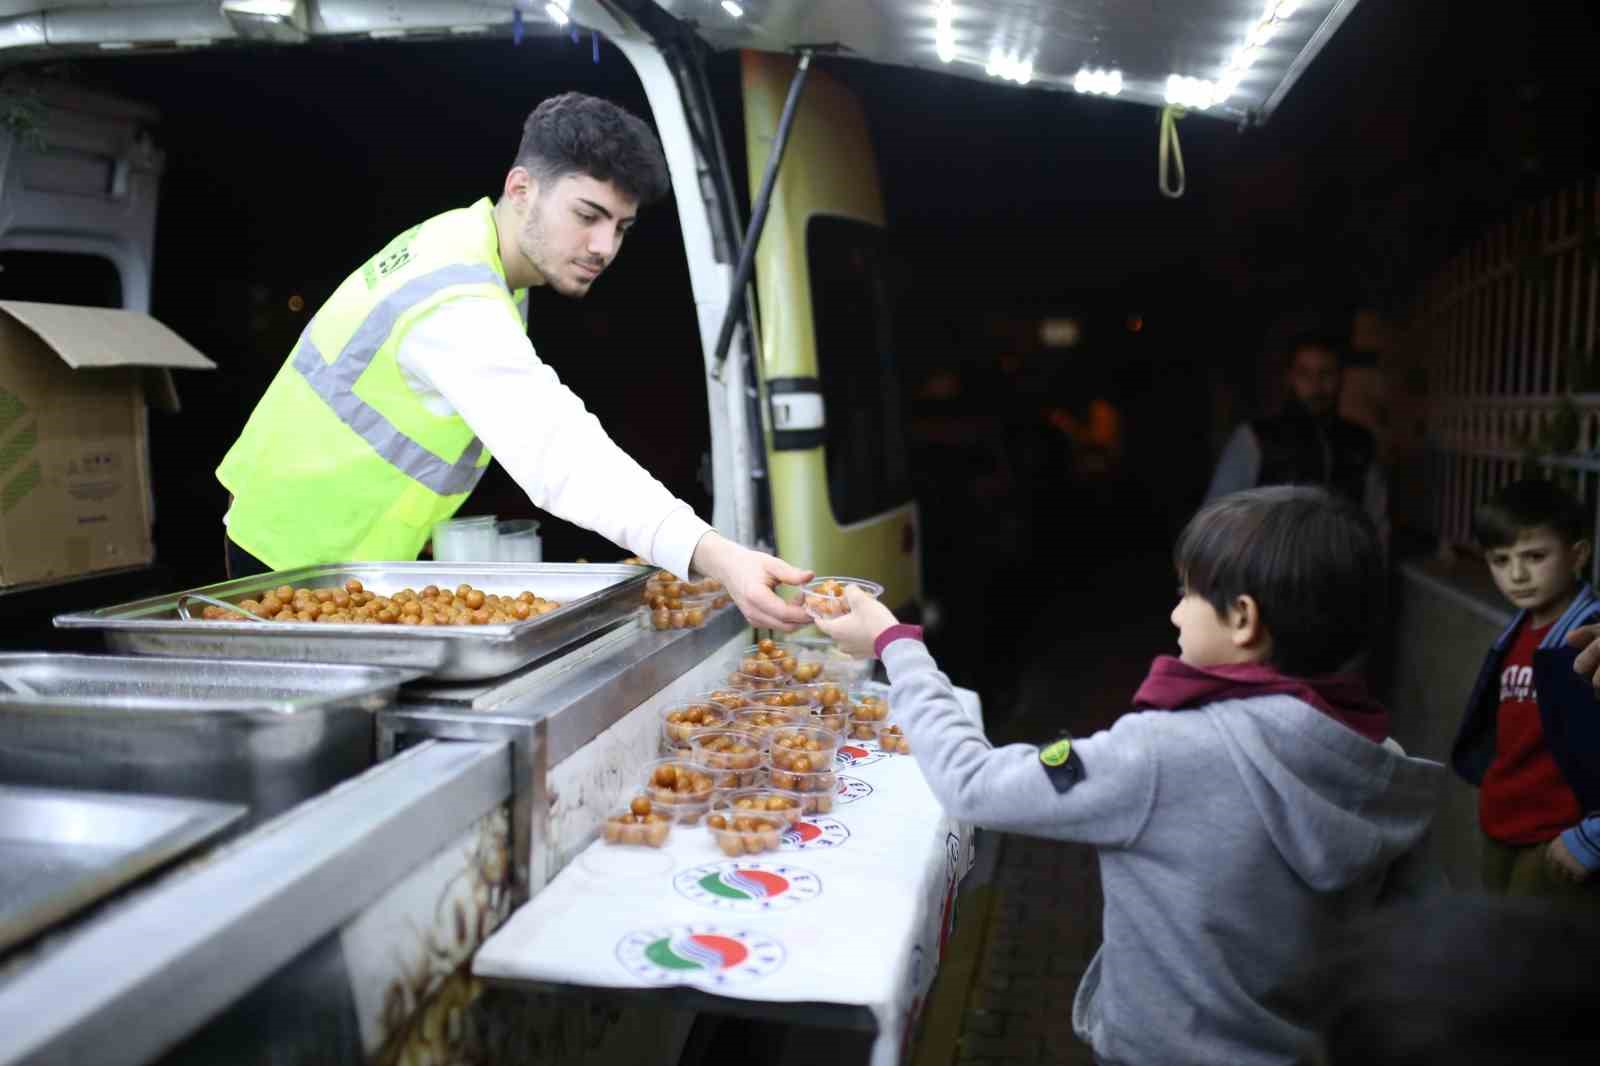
1422	121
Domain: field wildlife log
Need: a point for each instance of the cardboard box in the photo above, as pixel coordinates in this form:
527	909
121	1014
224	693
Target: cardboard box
74	444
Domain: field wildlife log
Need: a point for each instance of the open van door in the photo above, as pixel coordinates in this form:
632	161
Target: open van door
836	451
87	188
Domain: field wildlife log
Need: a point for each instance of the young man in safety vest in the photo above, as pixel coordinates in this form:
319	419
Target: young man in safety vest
383	417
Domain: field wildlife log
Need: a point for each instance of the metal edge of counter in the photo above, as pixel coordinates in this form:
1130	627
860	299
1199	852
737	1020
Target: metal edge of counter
135	981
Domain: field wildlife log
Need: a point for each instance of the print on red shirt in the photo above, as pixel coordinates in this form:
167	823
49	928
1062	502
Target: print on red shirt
1516	685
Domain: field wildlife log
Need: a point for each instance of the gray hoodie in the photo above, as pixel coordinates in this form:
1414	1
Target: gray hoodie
1235	840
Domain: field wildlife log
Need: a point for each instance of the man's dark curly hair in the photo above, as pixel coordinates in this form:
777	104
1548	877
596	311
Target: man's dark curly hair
577	134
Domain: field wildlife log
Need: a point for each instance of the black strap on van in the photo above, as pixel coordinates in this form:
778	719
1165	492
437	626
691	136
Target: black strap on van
758	212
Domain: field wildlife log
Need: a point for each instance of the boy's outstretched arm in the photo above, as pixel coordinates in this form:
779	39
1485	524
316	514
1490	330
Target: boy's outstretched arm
1097	790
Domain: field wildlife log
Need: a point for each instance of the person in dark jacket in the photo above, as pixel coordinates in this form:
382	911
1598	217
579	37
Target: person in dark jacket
1307	443
1530	738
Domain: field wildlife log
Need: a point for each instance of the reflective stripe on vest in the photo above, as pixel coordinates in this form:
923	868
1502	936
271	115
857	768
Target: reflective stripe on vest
334	383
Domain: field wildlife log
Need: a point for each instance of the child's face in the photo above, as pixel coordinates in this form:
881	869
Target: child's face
1538	573
1206	638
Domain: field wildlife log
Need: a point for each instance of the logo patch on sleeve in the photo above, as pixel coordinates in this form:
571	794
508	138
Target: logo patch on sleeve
1061	764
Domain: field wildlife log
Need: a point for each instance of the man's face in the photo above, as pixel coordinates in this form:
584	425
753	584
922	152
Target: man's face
1314	377
572	229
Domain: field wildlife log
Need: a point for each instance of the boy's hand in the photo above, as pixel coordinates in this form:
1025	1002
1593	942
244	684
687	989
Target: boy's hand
1587	664
857	632
1563	863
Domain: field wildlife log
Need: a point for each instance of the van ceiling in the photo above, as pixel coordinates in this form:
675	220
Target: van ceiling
1046	43
1236	58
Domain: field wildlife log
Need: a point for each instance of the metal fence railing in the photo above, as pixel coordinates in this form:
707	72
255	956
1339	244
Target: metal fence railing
1508	331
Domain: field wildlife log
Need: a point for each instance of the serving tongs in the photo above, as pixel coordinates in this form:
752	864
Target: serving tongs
183	607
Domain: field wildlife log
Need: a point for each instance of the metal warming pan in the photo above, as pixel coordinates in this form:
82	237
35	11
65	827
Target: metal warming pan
593	597
62	850
266	735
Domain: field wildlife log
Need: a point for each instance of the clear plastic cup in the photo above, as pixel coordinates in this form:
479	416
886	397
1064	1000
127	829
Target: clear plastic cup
727	749
676	780
682	722
861	732
638	823
728	698
869	708
518	542
798	698
802	749
687	812
790	806
744	833
669	586
466	540
830	662
817	788
691	613
824	597
830	706
892	739
764	721
768	664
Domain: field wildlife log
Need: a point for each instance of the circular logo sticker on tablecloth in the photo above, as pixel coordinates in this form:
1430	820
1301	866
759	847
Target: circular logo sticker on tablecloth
748	887
857	753
851	789
815	834
715	956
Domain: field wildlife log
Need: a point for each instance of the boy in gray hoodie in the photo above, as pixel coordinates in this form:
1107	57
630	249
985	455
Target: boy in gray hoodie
1238	838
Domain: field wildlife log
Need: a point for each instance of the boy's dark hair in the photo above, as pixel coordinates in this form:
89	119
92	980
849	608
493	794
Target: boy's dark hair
577	134
1309	559
1530	504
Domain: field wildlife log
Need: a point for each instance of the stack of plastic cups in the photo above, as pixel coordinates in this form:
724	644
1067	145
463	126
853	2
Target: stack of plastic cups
466	540
519	542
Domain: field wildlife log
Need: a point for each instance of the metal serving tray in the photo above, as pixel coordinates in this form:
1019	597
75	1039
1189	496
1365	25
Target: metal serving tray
593	597
62	850
263	734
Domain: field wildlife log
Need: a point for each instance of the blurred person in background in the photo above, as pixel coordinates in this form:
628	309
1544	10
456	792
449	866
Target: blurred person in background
1308	443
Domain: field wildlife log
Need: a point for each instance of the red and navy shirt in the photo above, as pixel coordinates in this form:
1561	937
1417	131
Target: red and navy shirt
1524	798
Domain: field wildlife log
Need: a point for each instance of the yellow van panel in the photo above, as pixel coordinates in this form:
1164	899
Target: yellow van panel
829	169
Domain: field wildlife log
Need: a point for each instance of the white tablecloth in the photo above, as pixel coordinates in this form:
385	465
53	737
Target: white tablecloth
854	909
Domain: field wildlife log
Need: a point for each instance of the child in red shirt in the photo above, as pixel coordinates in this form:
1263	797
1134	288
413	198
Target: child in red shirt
1527	740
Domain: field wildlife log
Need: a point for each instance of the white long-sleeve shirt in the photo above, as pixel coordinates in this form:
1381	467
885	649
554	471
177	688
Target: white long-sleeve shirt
469	357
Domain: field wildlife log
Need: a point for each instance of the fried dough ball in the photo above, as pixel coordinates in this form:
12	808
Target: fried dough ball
891	739
352	604
639	824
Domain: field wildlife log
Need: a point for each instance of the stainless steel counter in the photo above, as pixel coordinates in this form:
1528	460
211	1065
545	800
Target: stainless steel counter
263	734
126	984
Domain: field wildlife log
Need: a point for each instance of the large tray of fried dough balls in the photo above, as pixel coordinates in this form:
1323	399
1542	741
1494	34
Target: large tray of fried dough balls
458	621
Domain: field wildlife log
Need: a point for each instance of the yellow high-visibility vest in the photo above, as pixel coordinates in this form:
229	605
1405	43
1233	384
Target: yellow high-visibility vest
341	461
